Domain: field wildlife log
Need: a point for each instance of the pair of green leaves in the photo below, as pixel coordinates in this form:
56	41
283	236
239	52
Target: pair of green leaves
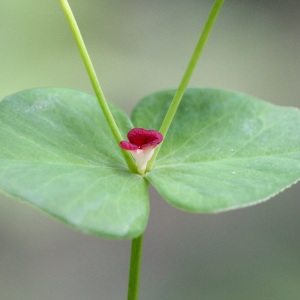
224	150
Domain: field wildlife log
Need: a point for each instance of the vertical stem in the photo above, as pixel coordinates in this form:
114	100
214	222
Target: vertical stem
135	267
187	75
95	82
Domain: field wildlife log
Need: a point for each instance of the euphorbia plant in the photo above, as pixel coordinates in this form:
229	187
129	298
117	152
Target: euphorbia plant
204	150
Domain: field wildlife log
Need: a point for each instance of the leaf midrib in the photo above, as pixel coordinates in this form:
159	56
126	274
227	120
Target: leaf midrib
65	164
225	159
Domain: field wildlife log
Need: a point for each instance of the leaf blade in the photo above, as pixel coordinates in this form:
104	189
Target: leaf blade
58	154
222	150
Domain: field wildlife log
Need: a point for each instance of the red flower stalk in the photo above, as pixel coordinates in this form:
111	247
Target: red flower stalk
141	144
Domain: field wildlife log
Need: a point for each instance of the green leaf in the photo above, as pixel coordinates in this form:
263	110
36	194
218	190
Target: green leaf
58	154
224	150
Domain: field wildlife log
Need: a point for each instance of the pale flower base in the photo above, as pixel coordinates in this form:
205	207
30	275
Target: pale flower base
142	156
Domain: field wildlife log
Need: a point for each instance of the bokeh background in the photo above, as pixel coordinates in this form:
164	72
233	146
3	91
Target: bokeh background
139	47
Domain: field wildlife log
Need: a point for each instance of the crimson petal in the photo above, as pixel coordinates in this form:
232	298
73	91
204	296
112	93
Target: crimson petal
144	138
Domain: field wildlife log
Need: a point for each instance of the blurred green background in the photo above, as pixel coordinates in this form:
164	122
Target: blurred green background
139	47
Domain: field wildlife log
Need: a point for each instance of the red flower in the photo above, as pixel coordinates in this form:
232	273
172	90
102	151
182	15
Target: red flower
141	144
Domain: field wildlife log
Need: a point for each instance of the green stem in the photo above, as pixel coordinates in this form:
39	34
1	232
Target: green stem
187	75
95	83
135	267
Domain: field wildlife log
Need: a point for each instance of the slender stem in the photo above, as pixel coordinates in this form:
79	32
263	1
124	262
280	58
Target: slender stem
135	267
95	83
187	75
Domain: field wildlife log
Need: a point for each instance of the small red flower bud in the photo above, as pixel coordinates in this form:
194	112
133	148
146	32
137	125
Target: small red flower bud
141	144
